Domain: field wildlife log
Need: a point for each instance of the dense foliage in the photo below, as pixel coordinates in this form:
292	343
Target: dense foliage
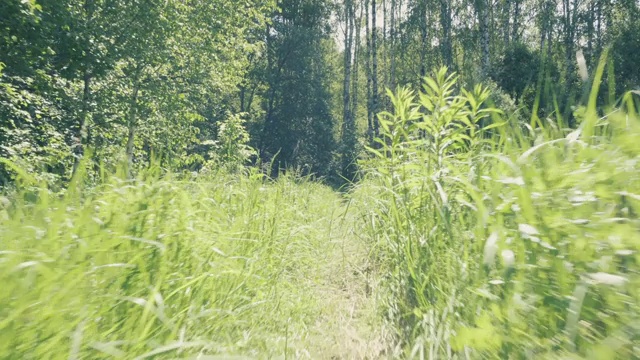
126	79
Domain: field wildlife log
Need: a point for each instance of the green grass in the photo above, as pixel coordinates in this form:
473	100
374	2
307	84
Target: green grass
166	268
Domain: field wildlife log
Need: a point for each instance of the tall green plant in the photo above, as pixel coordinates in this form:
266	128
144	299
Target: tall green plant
165	268
424	145
517	245
231	150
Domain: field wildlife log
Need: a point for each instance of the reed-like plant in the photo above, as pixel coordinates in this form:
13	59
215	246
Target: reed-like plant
519	241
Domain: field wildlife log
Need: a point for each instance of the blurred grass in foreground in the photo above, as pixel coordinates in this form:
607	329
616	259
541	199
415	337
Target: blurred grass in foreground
165	268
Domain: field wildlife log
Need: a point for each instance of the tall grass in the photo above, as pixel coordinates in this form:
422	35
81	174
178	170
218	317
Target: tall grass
168	268
511	242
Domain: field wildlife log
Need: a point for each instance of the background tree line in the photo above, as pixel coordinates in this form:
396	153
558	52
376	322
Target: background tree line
122	79
130	80
526	49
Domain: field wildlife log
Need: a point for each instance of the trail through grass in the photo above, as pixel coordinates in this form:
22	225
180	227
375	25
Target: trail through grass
226	266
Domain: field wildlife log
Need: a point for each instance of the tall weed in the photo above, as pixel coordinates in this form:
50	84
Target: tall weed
516	241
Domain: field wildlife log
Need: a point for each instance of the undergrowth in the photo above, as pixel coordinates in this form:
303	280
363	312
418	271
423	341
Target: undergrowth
170	268
509	241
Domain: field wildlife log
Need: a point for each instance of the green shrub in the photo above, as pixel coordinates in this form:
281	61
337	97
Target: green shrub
517	68
231	150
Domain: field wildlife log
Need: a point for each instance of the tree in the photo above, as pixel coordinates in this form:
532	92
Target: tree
349	135
118	76
374	71
298	129
625	47
517	69
482	12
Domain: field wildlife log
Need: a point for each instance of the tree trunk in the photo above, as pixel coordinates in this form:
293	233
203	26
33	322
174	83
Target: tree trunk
356	67
568	40
590	31
374	70
423	39
516	21
268	119
445	22
348	40
348	128
544	24
132	123
346	88
83	125
242	95
506	19
392	55
83	128
550	24
483	23
383	45
599	26
369	74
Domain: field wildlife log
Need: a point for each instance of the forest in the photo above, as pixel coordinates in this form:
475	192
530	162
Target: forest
319	179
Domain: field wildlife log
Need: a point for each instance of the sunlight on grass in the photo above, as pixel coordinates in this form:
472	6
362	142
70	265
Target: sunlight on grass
146	268
471	235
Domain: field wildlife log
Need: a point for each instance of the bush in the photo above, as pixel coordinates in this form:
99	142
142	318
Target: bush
626	46
517	69
231	150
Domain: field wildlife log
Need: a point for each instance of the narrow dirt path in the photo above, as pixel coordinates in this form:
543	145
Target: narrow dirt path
350	326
